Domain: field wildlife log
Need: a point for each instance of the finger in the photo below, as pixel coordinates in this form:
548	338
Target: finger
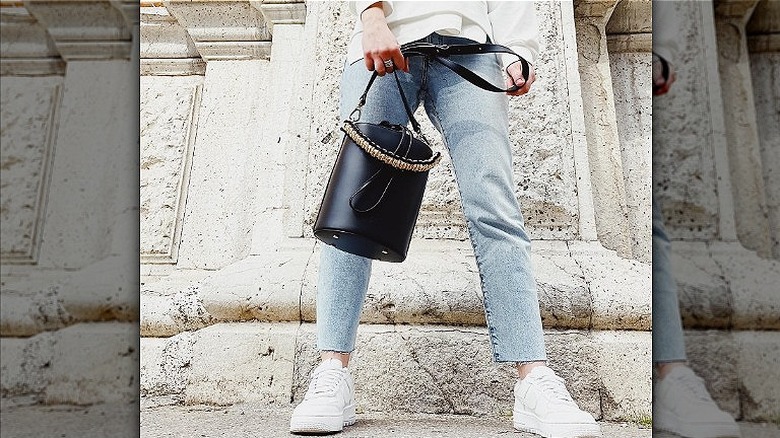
379	66
398	59
509	84
369	60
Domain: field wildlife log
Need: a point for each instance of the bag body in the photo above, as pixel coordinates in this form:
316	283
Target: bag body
370	207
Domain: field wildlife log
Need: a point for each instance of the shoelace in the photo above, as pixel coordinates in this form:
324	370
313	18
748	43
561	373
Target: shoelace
324	383
556	387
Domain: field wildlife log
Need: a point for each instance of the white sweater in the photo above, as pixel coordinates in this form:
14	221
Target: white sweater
667	29
512	24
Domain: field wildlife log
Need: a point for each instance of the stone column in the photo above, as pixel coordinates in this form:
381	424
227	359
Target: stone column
744	156
609	193
629	41
764	46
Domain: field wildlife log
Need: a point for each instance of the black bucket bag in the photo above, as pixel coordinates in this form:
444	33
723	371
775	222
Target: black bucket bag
376	187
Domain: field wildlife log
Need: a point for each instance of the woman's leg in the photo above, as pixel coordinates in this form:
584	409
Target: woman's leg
343	277
668	342
475	127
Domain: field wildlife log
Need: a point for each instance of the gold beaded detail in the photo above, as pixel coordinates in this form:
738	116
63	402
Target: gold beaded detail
388	157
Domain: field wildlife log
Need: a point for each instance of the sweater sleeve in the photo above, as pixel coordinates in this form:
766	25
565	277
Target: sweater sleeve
357	8
514	25
666	29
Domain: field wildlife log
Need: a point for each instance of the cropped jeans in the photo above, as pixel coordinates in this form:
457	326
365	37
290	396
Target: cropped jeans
668	342
474	124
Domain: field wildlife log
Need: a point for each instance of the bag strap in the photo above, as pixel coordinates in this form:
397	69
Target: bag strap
442	52
355	115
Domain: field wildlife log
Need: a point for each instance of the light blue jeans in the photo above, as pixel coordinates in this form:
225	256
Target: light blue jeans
475	126
668	342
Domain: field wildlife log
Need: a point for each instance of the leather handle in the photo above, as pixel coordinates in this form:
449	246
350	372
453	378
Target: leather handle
409	113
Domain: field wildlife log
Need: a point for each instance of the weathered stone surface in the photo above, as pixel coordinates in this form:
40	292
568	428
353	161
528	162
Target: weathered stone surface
703	293
631	76
685	133
757	364
85	30
739	369
604	154
255	363
81	364
24	418
266	287
260	359
25	363
714	356
162	36
226	158
165	364
33	302
723	285
223	30
172	313
94	363
765	68
754	286
169	108
620	288
740	125
29	113
438	284
624	362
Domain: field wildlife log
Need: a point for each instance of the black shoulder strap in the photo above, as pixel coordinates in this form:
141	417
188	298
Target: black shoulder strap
441	54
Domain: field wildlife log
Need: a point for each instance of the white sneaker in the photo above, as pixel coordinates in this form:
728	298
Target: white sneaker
682	405
544	406
329	404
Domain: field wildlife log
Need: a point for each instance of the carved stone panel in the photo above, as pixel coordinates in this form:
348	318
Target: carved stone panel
168	119
29	123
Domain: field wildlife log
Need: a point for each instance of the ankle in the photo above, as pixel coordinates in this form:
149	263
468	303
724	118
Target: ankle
664	368
524	368
341	356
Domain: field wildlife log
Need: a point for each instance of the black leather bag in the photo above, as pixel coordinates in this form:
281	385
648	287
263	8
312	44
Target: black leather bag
376	187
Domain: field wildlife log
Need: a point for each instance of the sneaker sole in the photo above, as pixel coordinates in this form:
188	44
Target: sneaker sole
313	424
670	422
528	422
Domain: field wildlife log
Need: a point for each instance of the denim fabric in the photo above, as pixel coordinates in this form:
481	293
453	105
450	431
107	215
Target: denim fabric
668	343
475	126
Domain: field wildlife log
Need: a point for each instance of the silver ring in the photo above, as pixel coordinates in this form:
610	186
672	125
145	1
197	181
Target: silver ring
389	63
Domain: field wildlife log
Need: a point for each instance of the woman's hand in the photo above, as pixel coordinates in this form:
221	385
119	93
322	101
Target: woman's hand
515	77
379	43
662	85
